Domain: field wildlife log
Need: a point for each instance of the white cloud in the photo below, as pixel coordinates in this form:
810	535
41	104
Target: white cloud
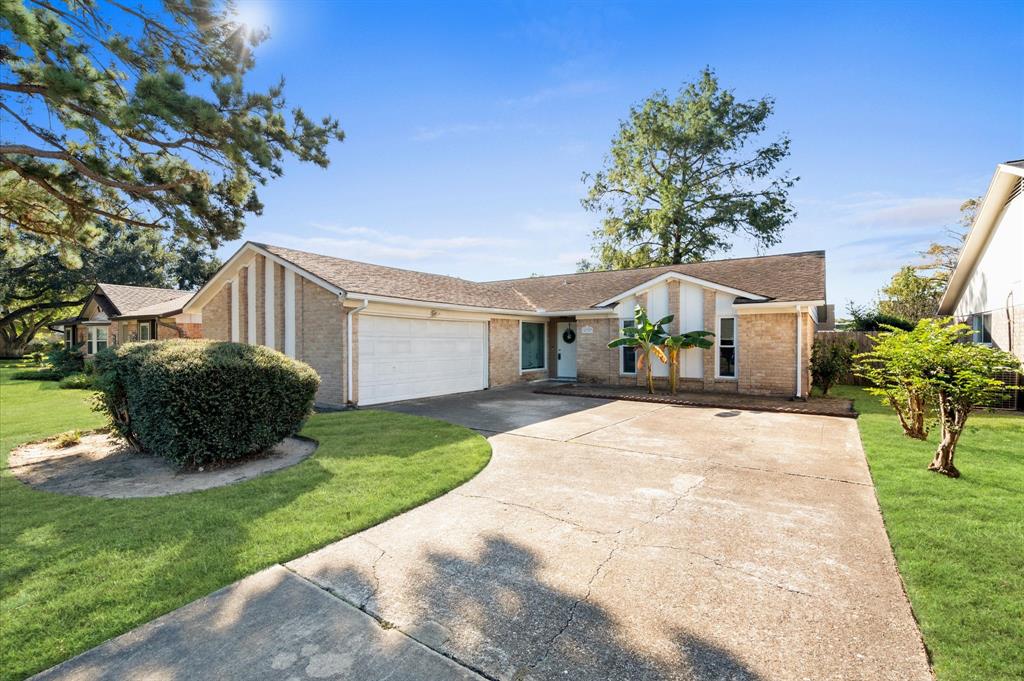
575	88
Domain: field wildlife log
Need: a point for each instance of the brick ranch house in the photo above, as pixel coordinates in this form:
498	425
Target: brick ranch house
380	334
115	313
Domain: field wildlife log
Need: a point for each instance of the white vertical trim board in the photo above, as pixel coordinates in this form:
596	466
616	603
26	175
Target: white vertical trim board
250	303
235	330
269	304
289	313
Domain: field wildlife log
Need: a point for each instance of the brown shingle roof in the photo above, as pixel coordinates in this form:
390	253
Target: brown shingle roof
790	277
131	300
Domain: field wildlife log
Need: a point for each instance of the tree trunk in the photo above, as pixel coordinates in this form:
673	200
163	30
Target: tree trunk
911	415
649	373
673	371
952	416
12	348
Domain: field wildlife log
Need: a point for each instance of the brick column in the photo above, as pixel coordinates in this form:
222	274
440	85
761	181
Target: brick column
709	324
261	301
243	305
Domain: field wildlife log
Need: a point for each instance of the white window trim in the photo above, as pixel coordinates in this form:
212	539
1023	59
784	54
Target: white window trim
622	352
541	368
149	330
94	338
735	346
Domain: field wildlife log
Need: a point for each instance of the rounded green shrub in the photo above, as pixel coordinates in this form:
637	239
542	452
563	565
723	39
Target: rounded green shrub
197	401
76	382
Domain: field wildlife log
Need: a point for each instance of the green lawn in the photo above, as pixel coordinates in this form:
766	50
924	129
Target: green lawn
76	571
959	543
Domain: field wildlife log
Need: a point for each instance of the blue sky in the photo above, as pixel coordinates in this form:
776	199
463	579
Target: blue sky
469	124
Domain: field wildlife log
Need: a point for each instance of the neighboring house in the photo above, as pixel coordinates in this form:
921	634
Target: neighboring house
986	289
379	334
115	314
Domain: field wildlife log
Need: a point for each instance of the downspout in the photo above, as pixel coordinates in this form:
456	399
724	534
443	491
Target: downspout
348	346
799	353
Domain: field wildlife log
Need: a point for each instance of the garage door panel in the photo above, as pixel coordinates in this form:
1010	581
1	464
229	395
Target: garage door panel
402	358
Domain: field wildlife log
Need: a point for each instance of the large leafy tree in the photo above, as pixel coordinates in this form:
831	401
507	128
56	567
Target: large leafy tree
910	295
687	174
940	257
37	288
116	114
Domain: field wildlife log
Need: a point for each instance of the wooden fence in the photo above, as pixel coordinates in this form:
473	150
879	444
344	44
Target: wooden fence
860	338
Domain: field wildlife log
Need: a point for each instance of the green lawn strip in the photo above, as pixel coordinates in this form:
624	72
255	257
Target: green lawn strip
959	543
76	571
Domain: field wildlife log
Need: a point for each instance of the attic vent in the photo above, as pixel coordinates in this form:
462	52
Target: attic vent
1017	190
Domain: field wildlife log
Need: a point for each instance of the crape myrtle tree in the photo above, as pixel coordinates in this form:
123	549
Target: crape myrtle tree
934	368
684	175
112	113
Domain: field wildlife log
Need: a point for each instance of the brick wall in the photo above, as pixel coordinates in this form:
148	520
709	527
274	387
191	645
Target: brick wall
278	307
217	315
261	301
243	305
767	353
503	358
320	338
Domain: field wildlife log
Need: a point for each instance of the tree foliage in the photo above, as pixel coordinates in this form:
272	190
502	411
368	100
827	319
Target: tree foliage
910	295
830	361
686	174
646	337
934	368
940	257
117	114
870	320
674	346
37	288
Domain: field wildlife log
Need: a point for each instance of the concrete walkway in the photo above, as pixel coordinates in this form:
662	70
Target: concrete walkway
605	540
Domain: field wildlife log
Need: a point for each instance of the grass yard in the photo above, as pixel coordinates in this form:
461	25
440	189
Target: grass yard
75	571
959	543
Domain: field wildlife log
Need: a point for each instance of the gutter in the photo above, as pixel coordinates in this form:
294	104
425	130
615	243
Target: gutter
348	347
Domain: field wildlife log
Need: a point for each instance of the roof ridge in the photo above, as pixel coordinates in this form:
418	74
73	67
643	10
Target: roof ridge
147	288
656	267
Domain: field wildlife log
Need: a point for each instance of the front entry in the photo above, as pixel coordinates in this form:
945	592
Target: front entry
566	349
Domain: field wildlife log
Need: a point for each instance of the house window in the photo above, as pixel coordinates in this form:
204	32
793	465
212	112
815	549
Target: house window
69	337
97	339
627	356
727	347
982	324
532	342
145	331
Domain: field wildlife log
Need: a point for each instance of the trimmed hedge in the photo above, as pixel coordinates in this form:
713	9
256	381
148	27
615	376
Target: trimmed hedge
197	402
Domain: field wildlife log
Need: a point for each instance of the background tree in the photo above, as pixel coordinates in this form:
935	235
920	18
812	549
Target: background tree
685	175
911	296
138	117
37	288
870	320
941	256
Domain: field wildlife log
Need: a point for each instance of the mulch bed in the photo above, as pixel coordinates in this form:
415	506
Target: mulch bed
820	406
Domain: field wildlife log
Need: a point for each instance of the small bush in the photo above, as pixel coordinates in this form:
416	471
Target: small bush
76	382
66	362
37	358
68	439
830	361
37	375
196	402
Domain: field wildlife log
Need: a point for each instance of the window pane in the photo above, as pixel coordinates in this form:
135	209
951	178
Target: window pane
728	331
727	361
532	346
144	331
628	354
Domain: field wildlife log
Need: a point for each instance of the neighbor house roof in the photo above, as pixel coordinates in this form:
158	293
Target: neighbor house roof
777	278
119	301
1008	179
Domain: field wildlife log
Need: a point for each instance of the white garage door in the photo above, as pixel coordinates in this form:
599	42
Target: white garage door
401	359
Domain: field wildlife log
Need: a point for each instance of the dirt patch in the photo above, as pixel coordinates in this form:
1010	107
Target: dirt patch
101	465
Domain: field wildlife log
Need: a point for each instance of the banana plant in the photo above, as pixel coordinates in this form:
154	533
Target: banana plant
676	344
646	337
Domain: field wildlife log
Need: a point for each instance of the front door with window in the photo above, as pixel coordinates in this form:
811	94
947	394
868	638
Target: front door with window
566	345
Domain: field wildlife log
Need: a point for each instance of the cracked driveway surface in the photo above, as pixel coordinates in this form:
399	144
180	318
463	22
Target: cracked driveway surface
605	540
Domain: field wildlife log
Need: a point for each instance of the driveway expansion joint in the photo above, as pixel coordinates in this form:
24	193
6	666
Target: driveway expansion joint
385	624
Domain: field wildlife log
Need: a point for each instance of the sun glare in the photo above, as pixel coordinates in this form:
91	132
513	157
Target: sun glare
254	15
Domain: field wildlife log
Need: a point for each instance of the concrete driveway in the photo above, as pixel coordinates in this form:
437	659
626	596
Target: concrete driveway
605	540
